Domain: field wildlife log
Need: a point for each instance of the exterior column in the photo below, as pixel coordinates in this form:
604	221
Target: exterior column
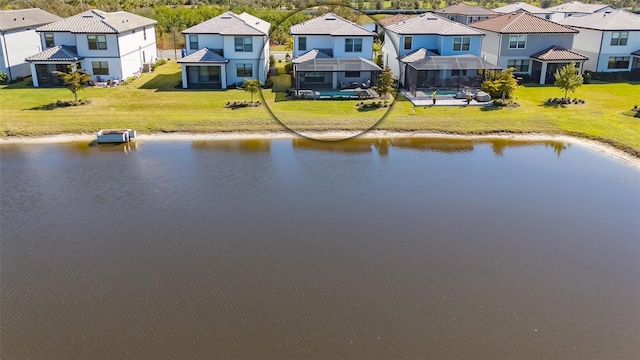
334	83
543	73
184	77
223	76
34	75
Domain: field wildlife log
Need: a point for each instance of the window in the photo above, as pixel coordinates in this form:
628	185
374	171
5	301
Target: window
244	70
48	40
314	77
100	67
521	65
144	33
352	74
209	74
97	42
244	44
353	45
619	38
517	41
461	43
618	62
408	42
302	43
193	42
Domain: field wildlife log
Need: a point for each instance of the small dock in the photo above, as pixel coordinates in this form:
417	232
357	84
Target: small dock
117	136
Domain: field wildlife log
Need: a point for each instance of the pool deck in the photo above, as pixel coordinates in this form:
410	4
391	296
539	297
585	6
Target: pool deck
449	101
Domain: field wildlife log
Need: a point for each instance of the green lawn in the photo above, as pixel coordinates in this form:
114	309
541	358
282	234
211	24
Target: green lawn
156	103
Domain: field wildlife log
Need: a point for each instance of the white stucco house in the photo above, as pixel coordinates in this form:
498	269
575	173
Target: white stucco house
575	8
429	51
530	44
18	39
610	38
330	52
526	7
225	50
108	46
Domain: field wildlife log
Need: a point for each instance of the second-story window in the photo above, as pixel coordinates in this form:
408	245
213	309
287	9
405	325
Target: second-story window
619	38
353	45
302	43
408	42
517	41
97	42
48	40
461	43
193	42
244	44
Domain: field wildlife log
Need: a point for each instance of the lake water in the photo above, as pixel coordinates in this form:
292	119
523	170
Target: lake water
295	249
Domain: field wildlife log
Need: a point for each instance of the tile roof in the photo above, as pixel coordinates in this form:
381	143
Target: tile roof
203	55
393	19
558	53
311	54
605	20
329	24
522	6
417	55
521	23
431	24
57	53
229	23
464	9
578	7
98	22
24	18
636	53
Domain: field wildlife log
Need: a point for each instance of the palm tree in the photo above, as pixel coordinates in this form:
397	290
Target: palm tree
252	87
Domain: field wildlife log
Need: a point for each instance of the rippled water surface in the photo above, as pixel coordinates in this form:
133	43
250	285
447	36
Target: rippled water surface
294	249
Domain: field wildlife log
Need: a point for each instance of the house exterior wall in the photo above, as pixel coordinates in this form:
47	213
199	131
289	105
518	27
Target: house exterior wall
417	42
313	42
134	41
83	46
59	38
115	68
16	46
587	42
339	49
232	73
390	53
256	57
490	49
607	50
209	41
534	44
446	46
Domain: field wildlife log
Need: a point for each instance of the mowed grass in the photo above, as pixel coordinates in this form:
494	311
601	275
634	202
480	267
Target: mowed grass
156	103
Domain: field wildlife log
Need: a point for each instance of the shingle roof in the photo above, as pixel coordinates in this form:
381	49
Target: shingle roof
522	6
417	55
24	18
558	53
329	24
464	9
577	7
521	23
98	22
605	20
61	53
229	23
311	54
203	55
430	23
393	19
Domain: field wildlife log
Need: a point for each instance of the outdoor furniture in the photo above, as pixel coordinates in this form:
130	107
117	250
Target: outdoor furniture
482	96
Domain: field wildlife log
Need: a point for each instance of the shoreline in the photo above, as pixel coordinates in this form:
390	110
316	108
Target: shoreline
601	147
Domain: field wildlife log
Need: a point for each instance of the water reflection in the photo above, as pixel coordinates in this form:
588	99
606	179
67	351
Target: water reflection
249	145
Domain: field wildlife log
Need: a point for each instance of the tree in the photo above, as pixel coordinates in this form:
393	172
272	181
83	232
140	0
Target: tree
272	61
568	78
503	86
385	83
74	79
252	87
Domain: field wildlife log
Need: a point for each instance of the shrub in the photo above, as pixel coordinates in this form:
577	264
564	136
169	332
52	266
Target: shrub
160	62
288	67
268	84
505	83
4	78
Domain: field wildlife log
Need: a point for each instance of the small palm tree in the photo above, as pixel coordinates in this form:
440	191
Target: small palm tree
75	79
252	87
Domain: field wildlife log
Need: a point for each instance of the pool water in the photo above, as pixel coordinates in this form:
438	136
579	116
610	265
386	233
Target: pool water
339	94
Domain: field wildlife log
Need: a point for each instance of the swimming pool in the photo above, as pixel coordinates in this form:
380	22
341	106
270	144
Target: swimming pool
338	94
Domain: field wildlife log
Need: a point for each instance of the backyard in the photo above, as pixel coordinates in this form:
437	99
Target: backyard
155	102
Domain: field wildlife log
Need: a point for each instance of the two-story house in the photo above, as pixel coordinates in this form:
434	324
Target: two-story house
108	46
530	44
465	14
429	51
225	50
18	39
610	38
526	7
575	8
330	52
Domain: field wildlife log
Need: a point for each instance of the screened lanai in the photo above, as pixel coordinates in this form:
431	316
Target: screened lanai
336	73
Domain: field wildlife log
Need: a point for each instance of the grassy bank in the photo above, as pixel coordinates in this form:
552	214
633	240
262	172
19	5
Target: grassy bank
154	103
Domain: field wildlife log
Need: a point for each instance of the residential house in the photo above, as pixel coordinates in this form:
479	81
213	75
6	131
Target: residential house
429	51
330	52
18	39
466	14
107	45
225	50
532	45
610	38
576	8
526	7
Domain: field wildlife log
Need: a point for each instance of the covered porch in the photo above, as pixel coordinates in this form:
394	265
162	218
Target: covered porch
447	72
546	62
335	74
635	60
204	69
46	63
